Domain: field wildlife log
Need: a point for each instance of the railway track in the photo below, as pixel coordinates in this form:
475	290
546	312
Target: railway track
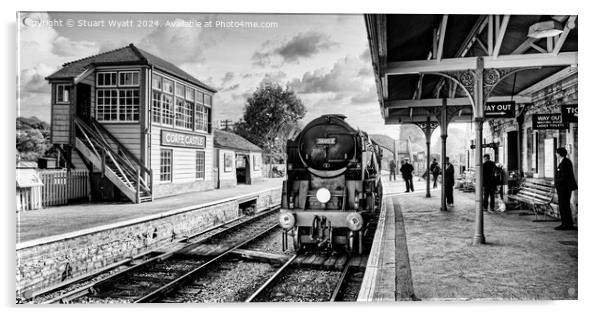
297	282
154	269
222	265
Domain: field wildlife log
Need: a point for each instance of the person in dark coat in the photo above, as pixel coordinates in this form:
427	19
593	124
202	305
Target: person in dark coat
407	173
435	170
489	183
565	183
392	170
449	182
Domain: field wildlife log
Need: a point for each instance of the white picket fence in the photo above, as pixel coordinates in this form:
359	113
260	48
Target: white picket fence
60	186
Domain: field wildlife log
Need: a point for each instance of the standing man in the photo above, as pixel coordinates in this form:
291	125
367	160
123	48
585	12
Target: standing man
489	183
449	182
406	172
392	169
435	170
564	181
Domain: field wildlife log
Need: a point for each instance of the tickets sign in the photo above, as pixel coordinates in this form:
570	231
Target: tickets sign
548	121
569	113
179	139
500	109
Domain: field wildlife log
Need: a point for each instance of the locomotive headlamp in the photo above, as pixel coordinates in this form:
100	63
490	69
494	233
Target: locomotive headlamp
286	220
323	195
354	221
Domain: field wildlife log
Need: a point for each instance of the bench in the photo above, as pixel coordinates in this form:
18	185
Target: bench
539	195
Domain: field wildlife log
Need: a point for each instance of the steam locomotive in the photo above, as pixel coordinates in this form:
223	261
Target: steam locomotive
333	186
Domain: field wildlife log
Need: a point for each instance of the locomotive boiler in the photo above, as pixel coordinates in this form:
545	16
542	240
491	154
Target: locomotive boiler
332	187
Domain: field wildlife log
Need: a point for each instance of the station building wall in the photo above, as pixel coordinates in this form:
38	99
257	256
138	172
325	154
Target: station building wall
537	153
184	178
226	162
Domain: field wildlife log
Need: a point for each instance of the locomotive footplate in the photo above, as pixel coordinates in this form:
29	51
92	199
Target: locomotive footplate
336	219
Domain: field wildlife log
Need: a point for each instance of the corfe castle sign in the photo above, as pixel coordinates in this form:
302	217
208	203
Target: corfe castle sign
178	139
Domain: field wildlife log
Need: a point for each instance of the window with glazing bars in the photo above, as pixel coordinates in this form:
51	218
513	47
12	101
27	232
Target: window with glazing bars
184	113
129	105
107	106
156	107
167	110
200	165
165	166
199	117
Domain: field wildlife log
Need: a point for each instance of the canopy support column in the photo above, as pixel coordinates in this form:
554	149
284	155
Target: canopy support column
427	128
428	156
479	235
443	121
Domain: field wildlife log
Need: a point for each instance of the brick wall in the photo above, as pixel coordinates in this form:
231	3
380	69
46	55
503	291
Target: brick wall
44	262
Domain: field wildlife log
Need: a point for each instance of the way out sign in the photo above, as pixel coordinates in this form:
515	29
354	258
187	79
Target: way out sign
548	121
500	109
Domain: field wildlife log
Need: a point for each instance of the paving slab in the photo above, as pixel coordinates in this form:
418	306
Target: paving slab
521	260
69	218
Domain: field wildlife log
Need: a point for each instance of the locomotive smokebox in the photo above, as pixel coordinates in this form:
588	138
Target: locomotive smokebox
328	143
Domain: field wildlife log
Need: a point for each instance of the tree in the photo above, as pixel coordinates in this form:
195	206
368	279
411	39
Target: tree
31	144
33	139
270	114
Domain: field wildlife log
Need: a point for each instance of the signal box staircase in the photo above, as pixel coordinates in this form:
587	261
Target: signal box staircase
100	148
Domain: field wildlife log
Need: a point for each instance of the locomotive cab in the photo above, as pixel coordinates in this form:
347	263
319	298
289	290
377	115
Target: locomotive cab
332	187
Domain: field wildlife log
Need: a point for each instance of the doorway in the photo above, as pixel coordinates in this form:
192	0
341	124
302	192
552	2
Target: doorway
512	151
243	169
83	101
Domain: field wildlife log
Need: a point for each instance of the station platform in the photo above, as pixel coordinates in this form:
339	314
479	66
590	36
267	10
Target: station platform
70	218
422	253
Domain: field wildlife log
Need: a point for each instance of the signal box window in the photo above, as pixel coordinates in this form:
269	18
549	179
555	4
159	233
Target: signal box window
62	93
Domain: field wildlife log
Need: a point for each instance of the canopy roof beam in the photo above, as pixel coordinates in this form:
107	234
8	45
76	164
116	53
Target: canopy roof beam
569	25
470	63
501	31
430	103
441	32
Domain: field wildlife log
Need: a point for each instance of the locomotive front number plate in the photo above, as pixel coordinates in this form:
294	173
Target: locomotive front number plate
326	141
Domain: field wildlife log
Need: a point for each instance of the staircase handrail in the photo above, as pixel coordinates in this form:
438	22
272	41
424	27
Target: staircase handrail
87	131
122	148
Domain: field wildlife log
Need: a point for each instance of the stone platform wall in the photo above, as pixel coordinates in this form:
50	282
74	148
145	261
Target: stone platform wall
48	261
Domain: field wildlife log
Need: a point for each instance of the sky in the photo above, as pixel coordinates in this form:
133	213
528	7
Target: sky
324	59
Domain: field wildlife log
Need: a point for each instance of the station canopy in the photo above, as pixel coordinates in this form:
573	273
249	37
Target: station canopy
415	57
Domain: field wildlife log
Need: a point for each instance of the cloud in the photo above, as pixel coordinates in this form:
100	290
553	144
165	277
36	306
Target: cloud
343	77
68	48
230	88
178	44
106	46
273	77
31	80
40	46
302	45
365	71
227	77
365	55
368	96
